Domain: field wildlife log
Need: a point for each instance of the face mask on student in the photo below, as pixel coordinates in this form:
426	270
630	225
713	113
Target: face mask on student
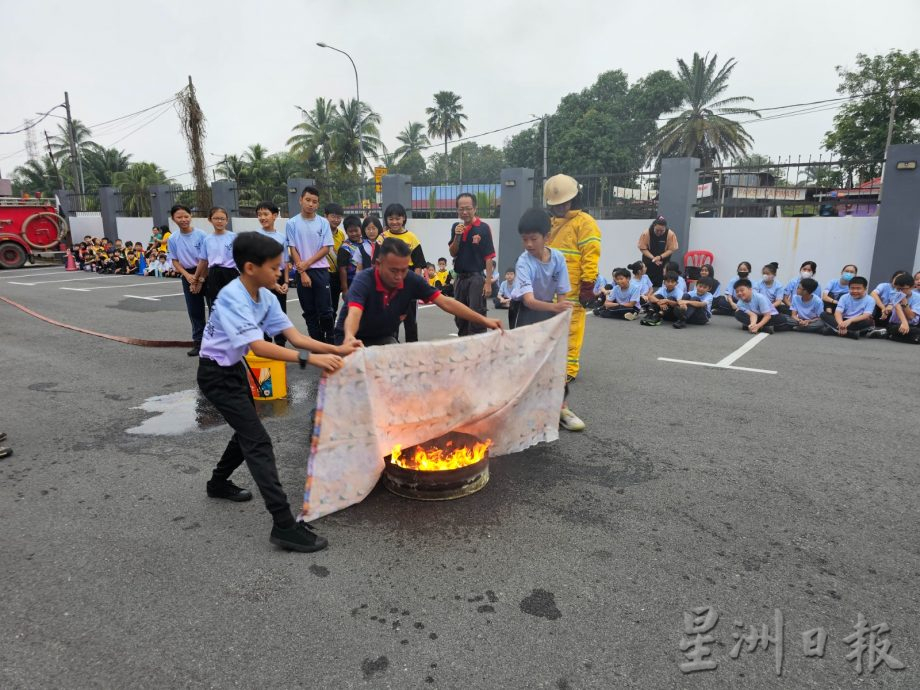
848	275
806	274
766	277
743	274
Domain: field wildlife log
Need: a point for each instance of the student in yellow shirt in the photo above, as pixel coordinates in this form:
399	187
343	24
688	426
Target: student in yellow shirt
334	214
395	218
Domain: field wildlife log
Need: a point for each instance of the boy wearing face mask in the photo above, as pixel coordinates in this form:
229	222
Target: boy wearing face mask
806	270
726	303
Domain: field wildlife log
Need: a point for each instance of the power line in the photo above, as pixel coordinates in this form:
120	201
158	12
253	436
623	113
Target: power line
482	134
33	123
140	127
124	117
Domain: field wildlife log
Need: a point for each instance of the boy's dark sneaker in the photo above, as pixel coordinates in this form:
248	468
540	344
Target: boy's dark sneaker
5	452
874	333
654	320
196	350
768	329
298	537
680	323
229	491
2	436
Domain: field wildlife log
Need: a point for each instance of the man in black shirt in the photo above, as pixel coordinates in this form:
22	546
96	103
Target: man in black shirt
474	259
380	297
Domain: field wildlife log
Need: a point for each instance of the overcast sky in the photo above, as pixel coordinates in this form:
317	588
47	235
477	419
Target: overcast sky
253	61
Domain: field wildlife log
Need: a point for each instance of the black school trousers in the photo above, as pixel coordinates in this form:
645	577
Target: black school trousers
227	388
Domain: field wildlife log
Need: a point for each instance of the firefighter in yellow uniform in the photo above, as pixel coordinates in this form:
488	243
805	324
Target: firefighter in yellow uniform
576	235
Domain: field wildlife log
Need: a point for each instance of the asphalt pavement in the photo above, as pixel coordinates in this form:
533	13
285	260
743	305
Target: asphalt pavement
692	486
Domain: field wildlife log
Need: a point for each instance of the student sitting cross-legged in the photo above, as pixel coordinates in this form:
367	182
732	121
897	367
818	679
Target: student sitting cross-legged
904	323
883	295
726	303
755	312
623	300
696	306
244	309
807	307
852	316
663	304
771	288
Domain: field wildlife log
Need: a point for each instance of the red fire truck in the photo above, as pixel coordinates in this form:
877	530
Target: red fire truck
28	227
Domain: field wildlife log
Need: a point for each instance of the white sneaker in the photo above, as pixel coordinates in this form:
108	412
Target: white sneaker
631	316
570	421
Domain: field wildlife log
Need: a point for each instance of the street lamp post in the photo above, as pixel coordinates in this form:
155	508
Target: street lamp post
360	121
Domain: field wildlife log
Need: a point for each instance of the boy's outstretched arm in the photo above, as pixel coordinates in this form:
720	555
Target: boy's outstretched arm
452	306
330	363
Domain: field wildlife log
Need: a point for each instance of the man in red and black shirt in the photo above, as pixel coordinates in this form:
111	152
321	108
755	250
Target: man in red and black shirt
474	258
380	297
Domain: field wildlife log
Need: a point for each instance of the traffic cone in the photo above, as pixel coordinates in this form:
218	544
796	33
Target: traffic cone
71	262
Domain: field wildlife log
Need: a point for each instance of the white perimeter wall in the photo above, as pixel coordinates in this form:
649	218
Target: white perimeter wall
831	242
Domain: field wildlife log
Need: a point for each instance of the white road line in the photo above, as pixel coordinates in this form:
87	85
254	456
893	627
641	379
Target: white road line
155	298
68	280
715	366
110	287
37	274
743	350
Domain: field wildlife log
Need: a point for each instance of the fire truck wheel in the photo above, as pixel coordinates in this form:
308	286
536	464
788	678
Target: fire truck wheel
12	255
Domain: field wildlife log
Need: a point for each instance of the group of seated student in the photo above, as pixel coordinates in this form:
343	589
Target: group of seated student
442	277
101	255
845	307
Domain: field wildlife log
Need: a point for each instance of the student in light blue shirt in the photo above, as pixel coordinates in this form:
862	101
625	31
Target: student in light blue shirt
185	250
696	306
623	300
725	304
309	239
806	307
664	303
771	288
904	324
806	270
838	287
218	248
673	266
244	310
640	278
883	295
755	312
505	290
267	214
852	316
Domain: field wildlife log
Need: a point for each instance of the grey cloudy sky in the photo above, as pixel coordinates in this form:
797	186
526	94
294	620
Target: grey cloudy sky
253	61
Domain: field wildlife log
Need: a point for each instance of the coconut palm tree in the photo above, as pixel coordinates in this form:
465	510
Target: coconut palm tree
38	177
445	120
134	184
101	164
233	168
314	134
355	136
412	140
702	129
60	142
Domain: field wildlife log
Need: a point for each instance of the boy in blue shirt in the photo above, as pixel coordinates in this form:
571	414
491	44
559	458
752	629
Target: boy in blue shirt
904	323
696	306
623	300
503	298
541	283
244	310
309	239
755	312
882	295
663	303
806	307
852	316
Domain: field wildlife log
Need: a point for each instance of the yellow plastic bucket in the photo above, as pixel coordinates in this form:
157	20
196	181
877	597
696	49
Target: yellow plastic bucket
267	378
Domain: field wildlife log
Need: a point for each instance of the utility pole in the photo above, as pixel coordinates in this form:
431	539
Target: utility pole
53	162
894	105
545	146
74	157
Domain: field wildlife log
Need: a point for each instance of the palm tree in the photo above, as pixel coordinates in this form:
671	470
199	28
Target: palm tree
445	120
134	184
702	130
412	140
355	135
102	164
60	142
314	134
38	177
233	168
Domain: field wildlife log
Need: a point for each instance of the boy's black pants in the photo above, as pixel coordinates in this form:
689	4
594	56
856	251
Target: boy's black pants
228	390
831	322
912	335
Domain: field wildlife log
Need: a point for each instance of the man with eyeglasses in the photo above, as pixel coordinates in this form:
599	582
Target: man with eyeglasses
473	251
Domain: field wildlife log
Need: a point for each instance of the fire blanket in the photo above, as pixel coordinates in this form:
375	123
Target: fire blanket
507	387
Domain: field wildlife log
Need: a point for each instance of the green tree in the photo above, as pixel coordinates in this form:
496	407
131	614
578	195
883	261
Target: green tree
471	161
604	128
861	124
100	166
37	177
60	142
445	120
313	136
413	164
134	184
355	135
757	163
702	129
233	167
412	140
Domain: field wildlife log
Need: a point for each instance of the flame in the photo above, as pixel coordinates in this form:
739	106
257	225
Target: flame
435	459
